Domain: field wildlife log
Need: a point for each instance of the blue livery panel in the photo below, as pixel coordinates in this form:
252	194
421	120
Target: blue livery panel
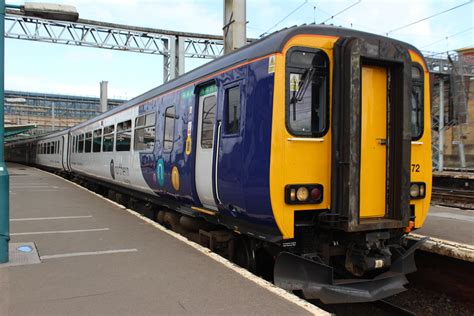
243	159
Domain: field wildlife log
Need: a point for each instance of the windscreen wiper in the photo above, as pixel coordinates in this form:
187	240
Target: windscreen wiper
302	87
304	84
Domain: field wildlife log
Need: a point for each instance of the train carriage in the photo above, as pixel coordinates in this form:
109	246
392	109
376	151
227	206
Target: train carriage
312	144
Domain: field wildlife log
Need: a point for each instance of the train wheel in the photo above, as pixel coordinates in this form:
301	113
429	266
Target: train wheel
244	254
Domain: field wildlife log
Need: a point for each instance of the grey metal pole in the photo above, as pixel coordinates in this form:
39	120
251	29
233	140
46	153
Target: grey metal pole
4	179
441	125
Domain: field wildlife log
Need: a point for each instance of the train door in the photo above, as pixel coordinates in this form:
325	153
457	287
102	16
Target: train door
373	165
64	151
205	145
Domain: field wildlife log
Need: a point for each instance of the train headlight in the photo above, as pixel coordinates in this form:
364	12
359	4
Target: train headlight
417	190
414	190
303	194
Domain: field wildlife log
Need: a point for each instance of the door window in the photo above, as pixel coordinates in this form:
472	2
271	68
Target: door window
232	110
208	119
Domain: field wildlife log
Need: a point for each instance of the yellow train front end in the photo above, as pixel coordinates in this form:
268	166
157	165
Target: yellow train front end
350	167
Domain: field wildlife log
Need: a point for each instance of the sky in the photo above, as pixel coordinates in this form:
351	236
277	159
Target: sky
51	68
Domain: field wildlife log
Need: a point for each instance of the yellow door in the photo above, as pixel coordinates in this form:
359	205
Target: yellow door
373	166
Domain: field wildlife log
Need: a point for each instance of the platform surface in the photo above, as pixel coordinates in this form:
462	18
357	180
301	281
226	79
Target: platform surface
98	259
449	223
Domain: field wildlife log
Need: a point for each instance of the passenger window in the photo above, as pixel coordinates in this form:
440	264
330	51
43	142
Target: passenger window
97	141
232	110
307	86
108	140
144	132
88	143
124	136
417	102
81	143
168	137
208	119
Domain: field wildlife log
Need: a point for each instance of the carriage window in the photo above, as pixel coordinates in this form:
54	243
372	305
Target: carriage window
232	110
88	143
144	132
416	102
124	136
81	143
307	88
97	141
168	137
208	119
108	140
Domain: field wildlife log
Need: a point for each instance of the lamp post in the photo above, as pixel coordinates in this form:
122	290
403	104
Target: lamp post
4	179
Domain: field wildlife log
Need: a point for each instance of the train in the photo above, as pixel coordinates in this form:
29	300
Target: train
311	145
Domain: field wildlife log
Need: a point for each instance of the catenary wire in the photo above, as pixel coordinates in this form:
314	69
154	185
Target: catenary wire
428	17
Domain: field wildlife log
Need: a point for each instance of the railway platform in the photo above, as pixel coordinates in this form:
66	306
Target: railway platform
452	224
93	257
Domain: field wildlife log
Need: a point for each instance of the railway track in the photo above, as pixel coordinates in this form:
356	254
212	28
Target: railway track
453	197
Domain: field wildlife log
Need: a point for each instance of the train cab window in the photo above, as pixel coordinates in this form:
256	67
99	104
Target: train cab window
232	110
81	143
124	136
144	132
108	139
208	119
168	137
307	92
417	102
88	142
97	141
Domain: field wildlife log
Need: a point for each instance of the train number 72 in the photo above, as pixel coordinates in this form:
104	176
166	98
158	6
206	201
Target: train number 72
415	167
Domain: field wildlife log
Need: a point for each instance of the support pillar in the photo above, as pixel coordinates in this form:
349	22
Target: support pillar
441	125
235	25
169	59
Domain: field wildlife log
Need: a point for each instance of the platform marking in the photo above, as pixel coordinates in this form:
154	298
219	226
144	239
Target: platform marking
48	218
90	253
60	232
244	273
